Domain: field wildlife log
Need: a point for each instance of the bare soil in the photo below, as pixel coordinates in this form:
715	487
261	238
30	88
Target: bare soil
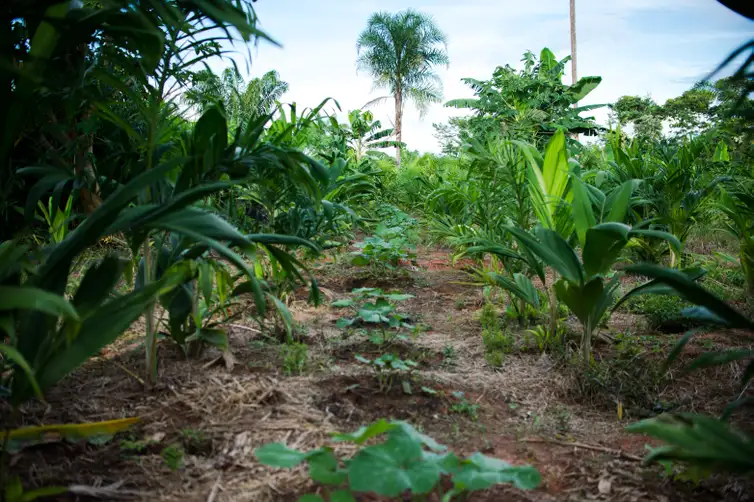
532	410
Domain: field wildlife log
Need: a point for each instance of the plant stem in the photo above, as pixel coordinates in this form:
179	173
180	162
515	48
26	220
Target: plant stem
586	343
150	341
554	313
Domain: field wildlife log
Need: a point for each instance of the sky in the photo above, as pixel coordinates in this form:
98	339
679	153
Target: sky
638	47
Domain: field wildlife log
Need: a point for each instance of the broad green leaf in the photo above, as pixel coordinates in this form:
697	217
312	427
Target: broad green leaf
604	244
364	360
97	284
279	455
699	440
584	301
582	87
323	468
657	287
101	328
620	201
367	432
348	302
29	298
718	358
694	293
583	215
555	170
341	496
391	468
12	354
553	250
285	314
30	436
406	429
521	287
672	240
344	322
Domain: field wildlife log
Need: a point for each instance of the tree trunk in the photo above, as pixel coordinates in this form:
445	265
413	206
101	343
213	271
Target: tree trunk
398	123
574	76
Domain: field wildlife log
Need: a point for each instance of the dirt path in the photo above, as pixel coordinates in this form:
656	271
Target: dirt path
522	412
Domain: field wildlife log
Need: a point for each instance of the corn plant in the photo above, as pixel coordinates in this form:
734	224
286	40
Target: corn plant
405	462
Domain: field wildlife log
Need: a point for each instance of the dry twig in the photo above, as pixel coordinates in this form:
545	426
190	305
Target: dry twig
617	453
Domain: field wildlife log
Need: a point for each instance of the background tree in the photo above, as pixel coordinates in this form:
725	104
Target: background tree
401	51
530	104
241	101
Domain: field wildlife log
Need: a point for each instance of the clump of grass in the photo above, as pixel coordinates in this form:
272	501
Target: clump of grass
631	377
295	357
662	312
497	343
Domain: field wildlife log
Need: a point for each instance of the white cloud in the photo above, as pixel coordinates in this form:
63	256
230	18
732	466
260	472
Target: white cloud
637	46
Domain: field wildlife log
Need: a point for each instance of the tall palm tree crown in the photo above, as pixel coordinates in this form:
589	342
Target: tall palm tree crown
400	51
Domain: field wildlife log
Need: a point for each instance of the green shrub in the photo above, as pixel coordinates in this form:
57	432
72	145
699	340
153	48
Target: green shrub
384	252
662	312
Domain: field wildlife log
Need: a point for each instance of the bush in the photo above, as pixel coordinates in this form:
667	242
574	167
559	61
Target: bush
662	312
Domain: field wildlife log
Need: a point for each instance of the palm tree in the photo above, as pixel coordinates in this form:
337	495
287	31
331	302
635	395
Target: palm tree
256	99
400	51
261	94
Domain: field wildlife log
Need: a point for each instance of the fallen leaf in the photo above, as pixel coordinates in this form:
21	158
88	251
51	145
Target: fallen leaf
604	486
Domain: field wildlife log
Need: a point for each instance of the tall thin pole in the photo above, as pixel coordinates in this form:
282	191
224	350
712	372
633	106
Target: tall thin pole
573	41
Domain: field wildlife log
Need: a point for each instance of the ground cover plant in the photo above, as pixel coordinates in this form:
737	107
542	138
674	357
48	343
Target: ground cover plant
201	282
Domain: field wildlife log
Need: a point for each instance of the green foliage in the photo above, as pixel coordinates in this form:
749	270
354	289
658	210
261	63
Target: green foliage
662	312
463	407
388	368
545	340
529	104
385	252
497	342
374	311
295	356
406	461
173	455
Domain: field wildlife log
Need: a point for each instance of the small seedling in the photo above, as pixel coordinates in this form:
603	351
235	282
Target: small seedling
373	309
406	463
295	356
464	407
384	252
388	367
173	456
449	356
